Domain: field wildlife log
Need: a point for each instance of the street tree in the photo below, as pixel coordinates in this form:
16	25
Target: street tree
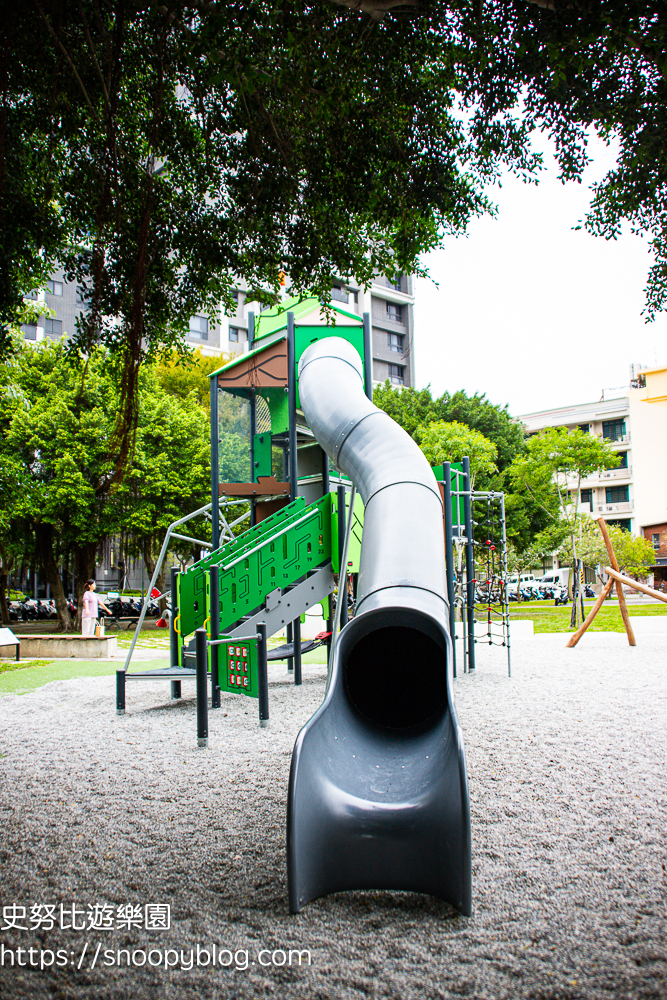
551	470
57	422
635	554
450	442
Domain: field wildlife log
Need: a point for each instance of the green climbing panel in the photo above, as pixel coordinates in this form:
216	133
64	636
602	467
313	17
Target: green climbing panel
275	553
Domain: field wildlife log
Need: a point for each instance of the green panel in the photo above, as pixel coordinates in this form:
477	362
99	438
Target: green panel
191	600
276	561
275	553
272	321
304	336
261	455
354	550
457	479
237	667
278	407
192	583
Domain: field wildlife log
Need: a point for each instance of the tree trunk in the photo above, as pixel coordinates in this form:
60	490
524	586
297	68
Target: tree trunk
44	540
85	558
575	584
4	606
149	562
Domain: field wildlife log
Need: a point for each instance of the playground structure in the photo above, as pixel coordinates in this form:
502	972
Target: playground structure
476	562
378	792
616	579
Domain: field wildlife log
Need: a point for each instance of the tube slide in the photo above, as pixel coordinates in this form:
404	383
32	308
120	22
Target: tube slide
378	794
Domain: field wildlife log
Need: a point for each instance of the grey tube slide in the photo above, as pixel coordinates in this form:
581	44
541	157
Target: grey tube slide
378	793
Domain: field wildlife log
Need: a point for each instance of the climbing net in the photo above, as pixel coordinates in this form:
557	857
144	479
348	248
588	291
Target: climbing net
490	561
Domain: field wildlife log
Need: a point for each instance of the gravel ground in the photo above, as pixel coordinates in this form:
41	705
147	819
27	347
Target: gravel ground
567	780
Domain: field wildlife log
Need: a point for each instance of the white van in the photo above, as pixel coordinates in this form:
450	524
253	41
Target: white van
527	582
557	578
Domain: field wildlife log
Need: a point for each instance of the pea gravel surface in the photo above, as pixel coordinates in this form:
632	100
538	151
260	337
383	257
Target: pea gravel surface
107	814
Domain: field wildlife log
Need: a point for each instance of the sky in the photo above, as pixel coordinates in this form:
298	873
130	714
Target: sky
530	312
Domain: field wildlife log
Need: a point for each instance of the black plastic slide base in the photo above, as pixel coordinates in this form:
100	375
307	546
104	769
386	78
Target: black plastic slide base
378	795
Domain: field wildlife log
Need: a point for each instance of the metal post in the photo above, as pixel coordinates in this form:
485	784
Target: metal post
173	634
215	465
262	675
325	473
368	357
291	396
251	330
290	638
336	621
506	608
342	570
449	557
201	650
253	477
470	564
214	597
296	626
120	692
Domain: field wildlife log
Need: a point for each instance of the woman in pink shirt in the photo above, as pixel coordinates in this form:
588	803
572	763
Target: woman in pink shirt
91	605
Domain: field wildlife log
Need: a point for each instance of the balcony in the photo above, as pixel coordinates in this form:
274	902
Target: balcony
614	508
616	473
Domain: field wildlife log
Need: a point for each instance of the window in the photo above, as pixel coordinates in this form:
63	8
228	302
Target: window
395	342
587	497
53	327
620	522
54	287
32	295
623	455
235	294
29	331
199	327
396	373
655	538
355	297
585	428
394	312
394	282
82	296
340	294
613	430
618	494
236	334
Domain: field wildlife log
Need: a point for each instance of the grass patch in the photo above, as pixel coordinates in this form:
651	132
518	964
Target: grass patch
547	617
6	665
25	679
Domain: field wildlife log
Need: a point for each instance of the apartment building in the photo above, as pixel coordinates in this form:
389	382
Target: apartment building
634	495
389	302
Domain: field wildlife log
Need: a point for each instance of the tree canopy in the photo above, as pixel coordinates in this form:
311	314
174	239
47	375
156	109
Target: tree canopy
163	153
57	419
550	472
450	442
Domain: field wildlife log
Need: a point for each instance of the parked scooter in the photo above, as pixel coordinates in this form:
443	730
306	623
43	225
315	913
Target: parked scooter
561	596
588	590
